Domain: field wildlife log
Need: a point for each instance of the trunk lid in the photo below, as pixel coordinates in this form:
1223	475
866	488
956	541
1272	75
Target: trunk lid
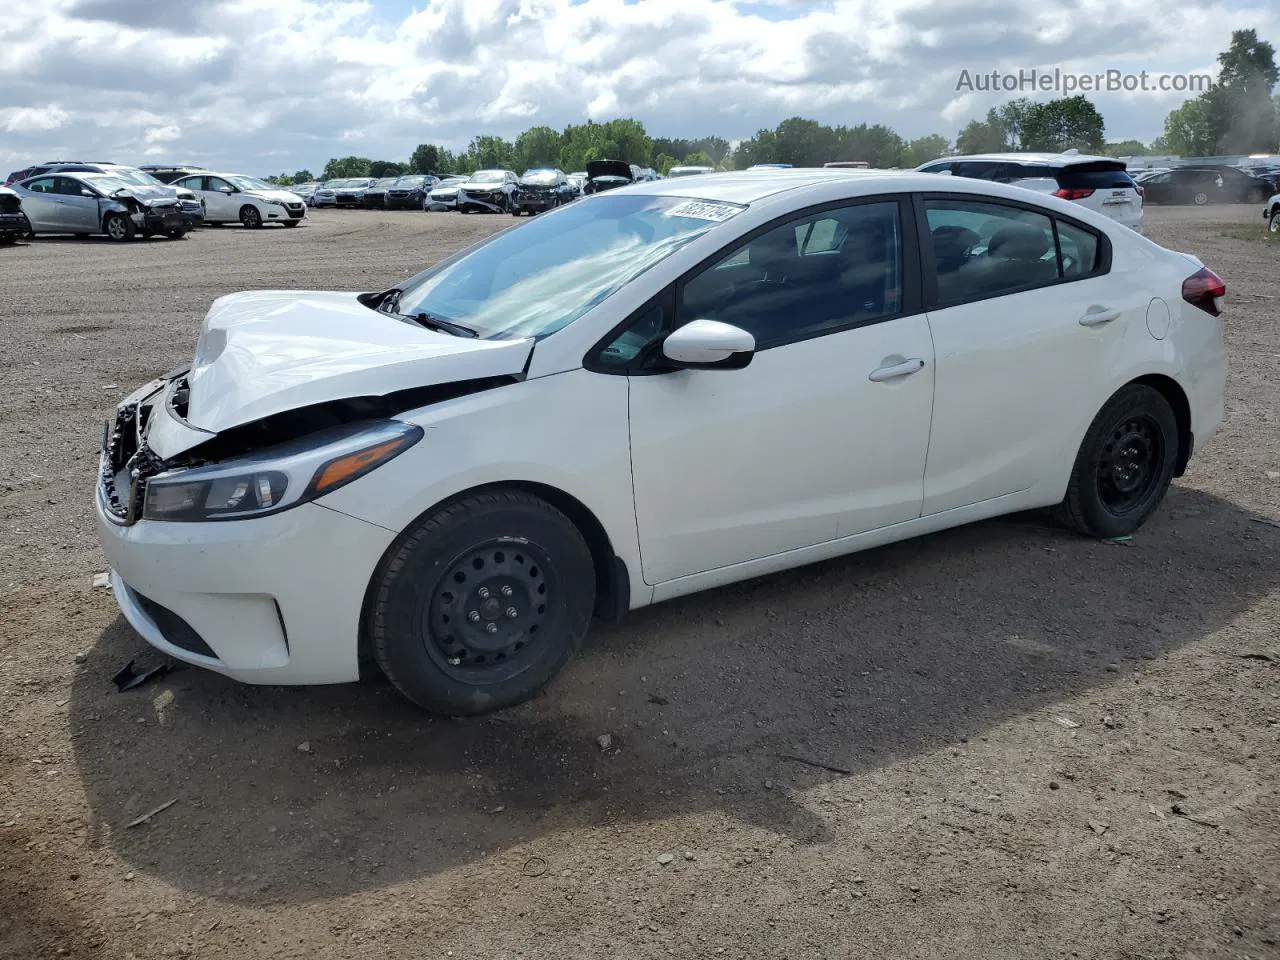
268	351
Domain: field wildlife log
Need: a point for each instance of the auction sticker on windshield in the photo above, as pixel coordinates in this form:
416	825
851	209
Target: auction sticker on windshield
704	210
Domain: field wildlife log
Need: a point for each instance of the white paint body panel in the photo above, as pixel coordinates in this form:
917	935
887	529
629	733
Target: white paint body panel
698	478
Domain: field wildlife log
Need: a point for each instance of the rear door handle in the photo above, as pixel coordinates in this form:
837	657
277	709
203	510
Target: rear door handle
896	370
1096	318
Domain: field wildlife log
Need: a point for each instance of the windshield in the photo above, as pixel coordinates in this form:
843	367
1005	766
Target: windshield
137	177
251	183
106	184
410	181
488	176
539	176
531	281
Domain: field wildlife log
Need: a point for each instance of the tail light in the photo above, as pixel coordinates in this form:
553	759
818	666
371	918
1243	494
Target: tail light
1073	193
1141	192
1206	290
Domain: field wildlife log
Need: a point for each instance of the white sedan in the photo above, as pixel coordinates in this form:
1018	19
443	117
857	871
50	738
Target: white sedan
645	393
233	198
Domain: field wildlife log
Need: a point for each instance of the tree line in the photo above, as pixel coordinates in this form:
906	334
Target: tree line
1239	115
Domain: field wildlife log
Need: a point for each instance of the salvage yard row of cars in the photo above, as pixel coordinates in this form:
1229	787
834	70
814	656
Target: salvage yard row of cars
308	495
122	202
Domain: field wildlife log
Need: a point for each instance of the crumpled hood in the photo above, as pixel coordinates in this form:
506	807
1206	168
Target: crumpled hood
150	195
268	351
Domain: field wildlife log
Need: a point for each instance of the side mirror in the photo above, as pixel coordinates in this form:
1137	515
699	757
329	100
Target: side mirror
86	192
227	190
709	344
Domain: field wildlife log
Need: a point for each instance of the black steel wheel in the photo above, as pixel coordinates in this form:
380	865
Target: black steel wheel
478	605
1124	466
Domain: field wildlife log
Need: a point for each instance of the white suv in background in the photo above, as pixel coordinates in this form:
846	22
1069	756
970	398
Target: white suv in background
232	198
1099	183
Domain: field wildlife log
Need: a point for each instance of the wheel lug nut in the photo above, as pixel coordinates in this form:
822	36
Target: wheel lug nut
484	593
491	627
506	591
474	616
512	613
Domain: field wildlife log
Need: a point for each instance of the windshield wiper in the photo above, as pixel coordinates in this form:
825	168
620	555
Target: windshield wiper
447	326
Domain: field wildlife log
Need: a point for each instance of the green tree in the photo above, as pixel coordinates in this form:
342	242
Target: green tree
983	136
1188	130
1060	125
699	158
1124	148
387	168
876	144
338	168
304	176
1013	120
536	147
1241	113
425	159
923	149
663	163
487	152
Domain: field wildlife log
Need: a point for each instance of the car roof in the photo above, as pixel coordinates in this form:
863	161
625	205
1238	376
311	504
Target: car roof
1040	159
747	186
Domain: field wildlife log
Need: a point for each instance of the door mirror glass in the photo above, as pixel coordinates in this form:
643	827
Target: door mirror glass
86	192
709	343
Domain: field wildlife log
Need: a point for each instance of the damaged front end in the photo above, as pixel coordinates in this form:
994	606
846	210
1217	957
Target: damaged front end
151	215
13	222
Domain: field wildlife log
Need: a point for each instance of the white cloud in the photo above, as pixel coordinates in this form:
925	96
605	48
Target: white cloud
264	85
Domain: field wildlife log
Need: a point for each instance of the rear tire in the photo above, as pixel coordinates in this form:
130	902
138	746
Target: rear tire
1124	466
175	234
480	604
118	227
1273	224
1200	199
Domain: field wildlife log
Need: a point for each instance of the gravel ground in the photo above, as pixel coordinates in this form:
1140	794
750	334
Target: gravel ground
1000	741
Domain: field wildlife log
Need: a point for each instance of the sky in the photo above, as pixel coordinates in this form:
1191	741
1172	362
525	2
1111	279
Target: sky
266	86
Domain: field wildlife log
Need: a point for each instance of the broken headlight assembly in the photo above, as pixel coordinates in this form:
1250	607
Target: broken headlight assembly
278	477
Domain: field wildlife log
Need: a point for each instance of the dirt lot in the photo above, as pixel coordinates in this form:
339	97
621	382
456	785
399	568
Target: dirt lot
967	814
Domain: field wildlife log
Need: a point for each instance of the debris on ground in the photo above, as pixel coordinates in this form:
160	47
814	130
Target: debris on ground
534	867
1118	541
665	858
129	679
1066	722
150	813
1267	520
1098	827
304	746
604	741
102	581
820	764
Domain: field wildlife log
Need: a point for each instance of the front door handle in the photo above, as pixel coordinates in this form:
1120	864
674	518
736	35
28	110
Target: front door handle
896	370
1095	318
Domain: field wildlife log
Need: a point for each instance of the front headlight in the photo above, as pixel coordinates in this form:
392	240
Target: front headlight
279	477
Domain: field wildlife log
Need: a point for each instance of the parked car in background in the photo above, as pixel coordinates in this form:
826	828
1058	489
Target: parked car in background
1204	185
579	180
1271	213
688	171
326	194
167	173
1099	183
770	166
351	192
13	222
566	420
410	192
542	189
26	173
134	176
96	203
491	191
235	198
605	175
375	197
444	195
305	190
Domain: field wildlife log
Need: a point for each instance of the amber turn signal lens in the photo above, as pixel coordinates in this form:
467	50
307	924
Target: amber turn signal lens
345	469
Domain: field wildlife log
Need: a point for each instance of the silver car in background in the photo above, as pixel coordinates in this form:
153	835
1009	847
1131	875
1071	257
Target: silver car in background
101	203
444	195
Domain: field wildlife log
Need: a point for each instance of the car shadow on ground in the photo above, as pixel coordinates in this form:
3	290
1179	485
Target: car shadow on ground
292	794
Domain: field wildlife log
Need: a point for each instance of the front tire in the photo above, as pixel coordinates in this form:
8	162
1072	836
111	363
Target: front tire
480	604
1124	466
118	227
175	234
1200	199
250	217
1273	224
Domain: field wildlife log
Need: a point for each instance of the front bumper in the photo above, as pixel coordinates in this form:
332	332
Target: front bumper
404	201
481	201
274	599
166	219
13	224
536	201
348	200
442	203
277	213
